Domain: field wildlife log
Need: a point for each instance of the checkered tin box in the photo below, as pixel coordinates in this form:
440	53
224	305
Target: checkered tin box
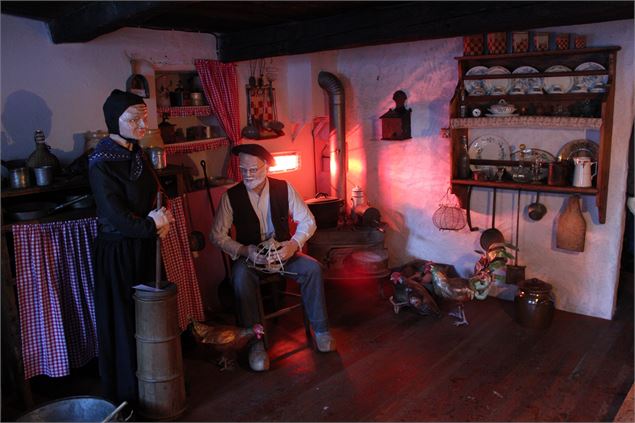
497	42
520	42
473	45
562	41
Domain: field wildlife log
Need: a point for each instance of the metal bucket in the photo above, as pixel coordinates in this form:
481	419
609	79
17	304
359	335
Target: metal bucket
19	178
159	359
72	409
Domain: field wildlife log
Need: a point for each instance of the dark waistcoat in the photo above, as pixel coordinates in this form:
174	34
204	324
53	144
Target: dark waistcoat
246	220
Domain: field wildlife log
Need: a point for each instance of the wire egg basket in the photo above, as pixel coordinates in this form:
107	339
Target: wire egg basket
449	216
269	250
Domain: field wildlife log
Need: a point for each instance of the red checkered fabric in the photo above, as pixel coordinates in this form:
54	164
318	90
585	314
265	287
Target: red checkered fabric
179	266
55	284
196	146
496	43
261	105
473	45
220	83
185	111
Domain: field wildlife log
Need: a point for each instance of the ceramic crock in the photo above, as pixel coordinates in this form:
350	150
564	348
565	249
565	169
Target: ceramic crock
534	304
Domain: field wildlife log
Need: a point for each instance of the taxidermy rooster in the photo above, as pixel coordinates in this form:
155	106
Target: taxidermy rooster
225	339
454	289
410	290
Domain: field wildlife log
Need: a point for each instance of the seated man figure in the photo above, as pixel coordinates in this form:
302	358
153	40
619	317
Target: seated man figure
259	207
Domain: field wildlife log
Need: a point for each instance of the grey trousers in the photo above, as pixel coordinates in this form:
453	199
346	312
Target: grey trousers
309	276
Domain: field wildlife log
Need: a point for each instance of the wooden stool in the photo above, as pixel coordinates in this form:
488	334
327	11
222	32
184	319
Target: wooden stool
275	282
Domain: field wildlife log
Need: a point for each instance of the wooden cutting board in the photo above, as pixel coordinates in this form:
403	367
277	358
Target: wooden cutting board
571	229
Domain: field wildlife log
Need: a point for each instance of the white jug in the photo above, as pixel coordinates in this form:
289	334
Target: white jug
582	175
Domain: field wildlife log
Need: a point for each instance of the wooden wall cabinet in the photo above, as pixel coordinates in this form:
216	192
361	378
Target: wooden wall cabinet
600	119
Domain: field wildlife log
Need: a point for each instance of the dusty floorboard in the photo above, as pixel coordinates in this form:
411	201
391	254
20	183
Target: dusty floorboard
404	367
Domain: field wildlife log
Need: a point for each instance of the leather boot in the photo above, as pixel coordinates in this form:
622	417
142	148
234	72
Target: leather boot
258	357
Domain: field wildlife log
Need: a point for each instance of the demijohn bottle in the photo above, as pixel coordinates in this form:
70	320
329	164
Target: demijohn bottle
42	156
463	163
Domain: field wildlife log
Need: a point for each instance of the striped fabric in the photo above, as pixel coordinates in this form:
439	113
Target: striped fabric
179	266
54	278
220	83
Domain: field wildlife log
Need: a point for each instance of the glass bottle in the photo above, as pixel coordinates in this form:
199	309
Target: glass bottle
462	105
463	163
42	156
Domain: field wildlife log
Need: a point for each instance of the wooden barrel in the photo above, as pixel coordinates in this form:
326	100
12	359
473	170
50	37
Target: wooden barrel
159	359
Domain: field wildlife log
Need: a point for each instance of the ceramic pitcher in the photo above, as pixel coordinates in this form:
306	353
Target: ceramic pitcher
582	175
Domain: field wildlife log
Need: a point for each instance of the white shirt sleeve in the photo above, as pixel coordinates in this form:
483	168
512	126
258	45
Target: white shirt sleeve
223	221
301	215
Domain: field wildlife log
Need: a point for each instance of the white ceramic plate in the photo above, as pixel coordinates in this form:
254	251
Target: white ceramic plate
488	147
527	83
497	86
564	82
530	155
473	86
589	81
579	148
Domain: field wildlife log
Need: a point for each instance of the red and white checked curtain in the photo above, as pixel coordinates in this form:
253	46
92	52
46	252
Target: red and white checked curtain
55	284
220	83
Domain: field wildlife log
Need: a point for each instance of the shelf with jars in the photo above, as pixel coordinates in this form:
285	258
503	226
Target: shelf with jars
567	89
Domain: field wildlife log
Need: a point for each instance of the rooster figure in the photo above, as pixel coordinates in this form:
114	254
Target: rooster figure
410	291
454	289
227	340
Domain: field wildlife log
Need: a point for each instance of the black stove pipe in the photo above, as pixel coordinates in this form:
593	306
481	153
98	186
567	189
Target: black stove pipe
337	132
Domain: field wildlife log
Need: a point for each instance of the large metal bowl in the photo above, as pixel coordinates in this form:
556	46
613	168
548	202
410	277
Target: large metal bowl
72	409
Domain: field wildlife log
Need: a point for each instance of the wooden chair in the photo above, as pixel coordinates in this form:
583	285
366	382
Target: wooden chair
273	287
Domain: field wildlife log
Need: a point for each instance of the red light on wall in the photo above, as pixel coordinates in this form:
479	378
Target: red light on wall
285	162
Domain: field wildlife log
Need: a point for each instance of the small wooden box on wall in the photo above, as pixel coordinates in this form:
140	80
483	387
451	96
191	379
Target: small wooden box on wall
395	123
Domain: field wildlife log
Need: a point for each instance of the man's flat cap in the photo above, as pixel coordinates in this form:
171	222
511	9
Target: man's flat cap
254	150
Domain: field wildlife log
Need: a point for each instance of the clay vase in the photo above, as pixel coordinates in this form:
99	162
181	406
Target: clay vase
571	230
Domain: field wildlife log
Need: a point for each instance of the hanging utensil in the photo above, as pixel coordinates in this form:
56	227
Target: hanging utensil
196	239
536	210
469	213
516	273
492	235
225	290
275	124
250	131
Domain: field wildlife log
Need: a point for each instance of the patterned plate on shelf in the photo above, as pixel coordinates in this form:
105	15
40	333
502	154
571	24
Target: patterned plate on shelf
475	86
497	86
579	148
527	83
558	84
488	147
590	81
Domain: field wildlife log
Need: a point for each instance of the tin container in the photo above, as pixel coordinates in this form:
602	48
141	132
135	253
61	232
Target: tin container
520	42
579	41
43	175
541	41
534	304
19	178
473	45
562	41
497	42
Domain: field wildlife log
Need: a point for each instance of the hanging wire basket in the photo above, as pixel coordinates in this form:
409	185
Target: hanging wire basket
449	216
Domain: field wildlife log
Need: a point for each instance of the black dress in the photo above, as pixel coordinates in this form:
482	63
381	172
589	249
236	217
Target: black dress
124	257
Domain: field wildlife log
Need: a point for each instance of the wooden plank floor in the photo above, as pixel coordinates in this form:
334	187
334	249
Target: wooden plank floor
409	368
404	367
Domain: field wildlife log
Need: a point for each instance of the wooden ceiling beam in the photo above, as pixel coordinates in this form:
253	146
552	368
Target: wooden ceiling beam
92	19
412	21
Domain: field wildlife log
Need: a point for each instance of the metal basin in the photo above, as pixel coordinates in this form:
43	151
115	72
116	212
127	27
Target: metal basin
71	409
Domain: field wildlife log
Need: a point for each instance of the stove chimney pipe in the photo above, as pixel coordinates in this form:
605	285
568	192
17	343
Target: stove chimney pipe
337	137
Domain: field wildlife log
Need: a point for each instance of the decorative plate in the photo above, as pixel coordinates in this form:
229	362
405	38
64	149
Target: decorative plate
564	83
590	81
474	86
530	155
497	86
488	147
579	148
527	83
